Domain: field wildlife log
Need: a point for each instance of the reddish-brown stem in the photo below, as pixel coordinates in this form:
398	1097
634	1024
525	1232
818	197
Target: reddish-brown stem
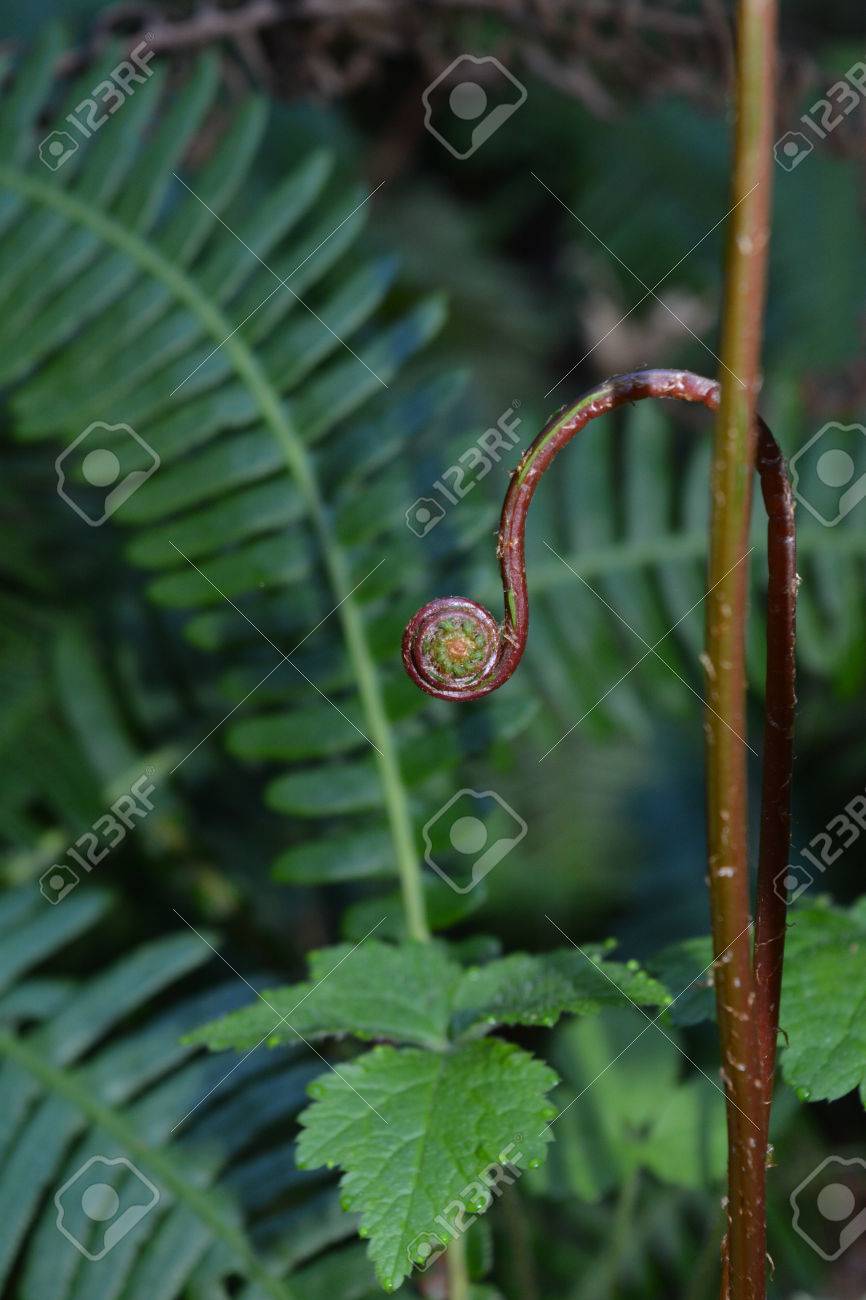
455	649
744	1018
771	905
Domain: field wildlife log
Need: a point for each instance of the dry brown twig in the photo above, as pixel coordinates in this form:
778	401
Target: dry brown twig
596	52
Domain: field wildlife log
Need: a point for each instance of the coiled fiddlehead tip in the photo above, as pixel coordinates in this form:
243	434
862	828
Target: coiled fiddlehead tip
450	648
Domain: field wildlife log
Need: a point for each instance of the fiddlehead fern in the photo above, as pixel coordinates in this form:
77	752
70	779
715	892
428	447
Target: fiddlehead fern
454	648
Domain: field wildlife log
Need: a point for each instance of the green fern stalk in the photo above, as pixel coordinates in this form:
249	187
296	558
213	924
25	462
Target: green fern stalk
273	412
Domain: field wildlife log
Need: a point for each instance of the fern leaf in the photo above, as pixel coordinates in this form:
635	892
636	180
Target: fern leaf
243	343
102	1075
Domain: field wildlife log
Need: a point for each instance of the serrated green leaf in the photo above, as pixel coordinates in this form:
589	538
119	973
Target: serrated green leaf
371	990
416	1132
823	1013
414	993
528	990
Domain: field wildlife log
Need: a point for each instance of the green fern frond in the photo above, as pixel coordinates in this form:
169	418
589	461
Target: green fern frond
90	1068
251	347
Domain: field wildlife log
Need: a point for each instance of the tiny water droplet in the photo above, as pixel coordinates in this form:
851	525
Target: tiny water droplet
803	1094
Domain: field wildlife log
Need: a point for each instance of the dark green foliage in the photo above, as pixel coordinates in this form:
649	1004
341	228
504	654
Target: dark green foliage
412	1128
824	1056
269	436
90	1069
417	994
822	1049
207	631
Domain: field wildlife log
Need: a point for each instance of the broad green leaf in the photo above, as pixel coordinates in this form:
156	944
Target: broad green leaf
371	990
823	1014
527	990
417	1133
414	993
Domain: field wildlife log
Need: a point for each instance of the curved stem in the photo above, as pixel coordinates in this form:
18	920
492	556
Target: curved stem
453	648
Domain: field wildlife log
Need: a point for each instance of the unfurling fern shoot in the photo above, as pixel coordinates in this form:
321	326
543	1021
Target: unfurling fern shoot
453	648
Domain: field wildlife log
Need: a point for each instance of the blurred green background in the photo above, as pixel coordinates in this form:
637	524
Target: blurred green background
504	282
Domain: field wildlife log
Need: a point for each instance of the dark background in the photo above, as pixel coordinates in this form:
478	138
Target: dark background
627	123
